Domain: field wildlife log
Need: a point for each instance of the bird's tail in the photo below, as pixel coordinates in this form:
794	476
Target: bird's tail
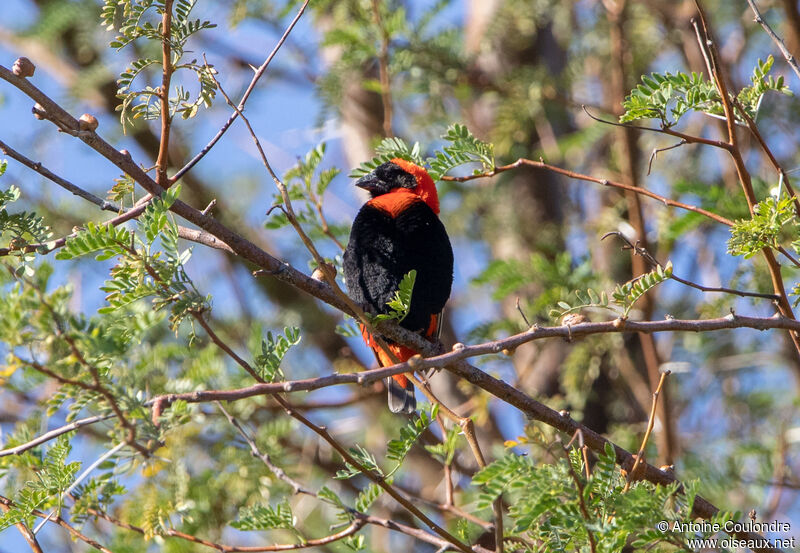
400	389
401	395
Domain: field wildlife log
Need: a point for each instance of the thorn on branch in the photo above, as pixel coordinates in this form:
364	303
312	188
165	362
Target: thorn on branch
209	207
521	312
282	268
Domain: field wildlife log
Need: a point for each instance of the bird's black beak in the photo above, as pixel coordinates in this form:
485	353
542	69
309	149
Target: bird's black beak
372	184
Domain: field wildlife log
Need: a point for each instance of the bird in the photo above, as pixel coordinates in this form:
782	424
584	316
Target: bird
396	231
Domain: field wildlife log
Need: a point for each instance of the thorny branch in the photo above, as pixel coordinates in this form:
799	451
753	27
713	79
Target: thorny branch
775	38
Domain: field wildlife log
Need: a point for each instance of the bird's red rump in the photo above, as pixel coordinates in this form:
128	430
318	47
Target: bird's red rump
402	353
395	202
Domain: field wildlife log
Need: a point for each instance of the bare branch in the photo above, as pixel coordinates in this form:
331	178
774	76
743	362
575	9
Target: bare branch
166	75
605	182
650	423
265	458
259	72
63	183
638	250
52	434
775	38
465	352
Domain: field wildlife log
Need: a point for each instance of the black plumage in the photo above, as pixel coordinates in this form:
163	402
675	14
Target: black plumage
384	248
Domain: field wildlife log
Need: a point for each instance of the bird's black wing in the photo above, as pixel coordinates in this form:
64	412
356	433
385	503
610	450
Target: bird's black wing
382	249
426	249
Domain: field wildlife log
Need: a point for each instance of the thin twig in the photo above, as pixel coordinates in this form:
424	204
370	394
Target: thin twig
657	151
522	313
264	457
775	38
240	107
605	182
650	423
166	75
63	183
638	250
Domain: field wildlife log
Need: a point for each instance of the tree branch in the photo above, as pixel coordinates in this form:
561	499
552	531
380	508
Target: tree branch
775	38
166	75
63	183
240	107
707	46
605	182
6	502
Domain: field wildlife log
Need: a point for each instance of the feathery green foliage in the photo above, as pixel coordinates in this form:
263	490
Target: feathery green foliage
53	477
273	349
668	97
772	221
265	517
141	21
389	149
547	503
623	297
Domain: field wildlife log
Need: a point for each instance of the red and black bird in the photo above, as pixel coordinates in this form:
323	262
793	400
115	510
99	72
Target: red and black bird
396	231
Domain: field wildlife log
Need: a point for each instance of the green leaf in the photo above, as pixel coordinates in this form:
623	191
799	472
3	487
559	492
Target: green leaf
265	517
273	350
772	221
365	459
409	434
108	240
389	148
626	295
367	497
400	304
464	148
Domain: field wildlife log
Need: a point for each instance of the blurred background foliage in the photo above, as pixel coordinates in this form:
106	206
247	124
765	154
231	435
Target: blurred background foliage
519	74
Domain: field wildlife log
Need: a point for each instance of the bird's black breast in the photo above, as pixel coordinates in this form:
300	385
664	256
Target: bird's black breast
383	249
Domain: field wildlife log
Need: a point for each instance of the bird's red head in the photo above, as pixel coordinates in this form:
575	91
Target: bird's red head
401	175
